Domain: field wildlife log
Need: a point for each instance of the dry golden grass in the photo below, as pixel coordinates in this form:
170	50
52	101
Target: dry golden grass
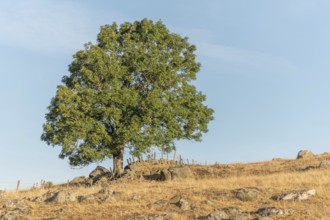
211	189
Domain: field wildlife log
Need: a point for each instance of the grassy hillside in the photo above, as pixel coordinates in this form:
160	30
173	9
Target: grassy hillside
214	187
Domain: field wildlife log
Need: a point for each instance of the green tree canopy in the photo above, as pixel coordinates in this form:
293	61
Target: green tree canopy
131	89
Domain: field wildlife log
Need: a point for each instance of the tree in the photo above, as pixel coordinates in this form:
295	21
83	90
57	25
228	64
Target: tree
131	89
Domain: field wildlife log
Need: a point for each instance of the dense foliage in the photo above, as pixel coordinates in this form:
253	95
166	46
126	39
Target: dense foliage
132	89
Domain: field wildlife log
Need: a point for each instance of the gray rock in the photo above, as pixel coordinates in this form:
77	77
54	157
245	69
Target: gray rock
15	211
159	203
174	173
247	194
136	197
106	192
324	164
239	217
263	218
104	195
62	196
305	154
100	176
217	215
86	199
298	195
99	171
9	216
232	211
165	175
183	204
274	211
151	217
229	213
79	181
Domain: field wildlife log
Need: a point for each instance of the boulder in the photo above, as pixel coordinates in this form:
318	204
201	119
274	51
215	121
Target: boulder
183	204
247	194
305	154
165	175
86	199
99	171
152	217
263	218
15	209
175	173
297	195
104	195
78	181
231	213
324	164
216	215
62	196
274	211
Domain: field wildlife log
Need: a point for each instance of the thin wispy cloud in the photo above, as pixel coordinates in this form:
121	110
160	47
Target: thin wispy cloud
245	57
47	26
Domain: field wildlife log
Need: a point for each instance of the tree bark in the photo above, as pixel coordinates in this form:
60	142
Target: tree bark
118	159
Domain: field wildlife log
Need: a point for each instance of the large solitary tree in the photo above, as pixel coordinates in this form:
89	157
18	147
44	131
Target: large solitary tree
131	89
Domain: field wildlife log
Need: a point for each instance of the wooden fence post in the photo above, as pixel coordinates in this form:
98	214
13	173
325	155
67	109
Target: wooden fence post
18	184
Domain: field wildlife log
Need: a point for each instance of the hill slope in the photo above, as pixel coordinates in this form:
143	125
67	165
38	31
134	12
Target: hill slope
220	191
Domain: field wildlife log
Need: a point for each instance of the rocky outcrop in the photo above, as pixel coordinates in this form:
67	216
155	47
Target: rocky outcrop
79	181
104	195
175	173
324	164
297	195
100	175
229	213
305	154
247	193
152	217
274	211
14	209
62	196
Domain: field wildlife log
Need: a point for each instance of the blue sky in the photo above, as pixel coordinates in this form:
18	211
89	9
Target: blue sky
265	72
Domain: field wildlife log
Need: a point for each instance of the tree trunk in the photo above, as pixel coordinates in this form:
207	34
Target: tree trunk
118	159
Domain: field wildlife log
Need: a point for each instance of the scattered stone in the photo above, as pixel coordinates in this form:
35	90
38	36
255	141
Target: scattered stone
99	171
159	203
208	202
274	211
216	215
310	168
86	199
175	199
298	195
106	191
79	181
62	196
174	173
263	218
247	194
230	213
104	195
14	210
305	154
152	217
324	164
239	217
183	204
38	199
136	197
100	176
165	175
